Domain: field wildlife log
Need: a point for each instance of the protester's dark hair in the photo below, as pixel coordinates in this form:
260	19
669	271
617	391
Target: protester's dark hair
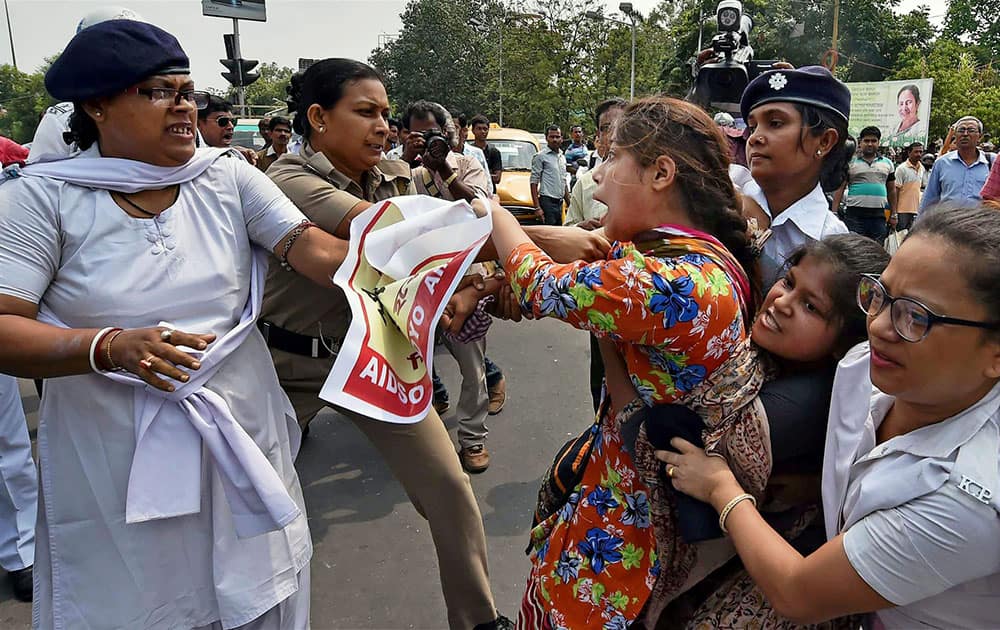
460	119
817	120
82	128
215	104
278	120
322	84
394	122
912	146
262	123
849	256
871	130
611	103
423	109
974	231
479	119
552	128
912	89
660	125
572	127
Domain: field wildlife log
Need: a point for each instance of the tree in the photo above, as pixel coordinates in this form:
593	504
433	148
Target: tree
24	99
974	22
268	90
440	55
872	35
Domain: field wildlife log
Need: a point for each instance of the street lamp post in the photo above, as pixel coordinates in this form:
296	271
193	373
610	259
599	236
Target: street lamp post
626	8
10	34
479	26
633	15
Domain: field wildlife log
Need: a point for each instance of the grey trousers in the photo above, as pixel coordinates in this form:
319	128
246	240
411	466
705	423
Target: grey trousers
474	402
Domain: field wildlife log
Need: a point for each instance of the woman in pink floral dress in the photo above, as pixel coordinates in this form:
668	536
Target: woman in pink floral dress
674	297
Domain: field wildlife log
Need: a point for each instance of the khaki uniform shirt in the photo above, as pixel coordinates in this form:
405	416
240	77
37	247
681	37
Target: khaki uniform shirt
265	158
325	196
469	170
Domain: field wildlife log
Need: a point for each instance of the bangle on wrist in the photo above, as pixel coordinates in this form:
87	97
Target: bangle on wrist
112	366
95	343
724	514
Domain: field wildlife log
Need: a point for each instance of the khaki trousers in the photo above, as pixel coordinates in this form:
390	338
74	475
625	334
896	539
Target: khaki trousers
474	401
423	459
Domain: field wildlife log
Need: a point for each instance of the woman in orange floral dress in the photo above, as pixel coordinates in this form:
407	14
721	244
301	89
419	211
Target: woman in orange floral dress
674	297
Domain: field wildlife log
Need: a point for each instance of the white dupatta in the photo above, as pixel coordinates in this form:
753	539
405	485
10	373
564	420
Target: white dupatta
170	427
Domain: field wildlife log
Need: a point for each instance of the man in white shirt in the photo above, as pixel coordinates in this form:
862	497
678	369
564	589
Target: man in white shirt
584	211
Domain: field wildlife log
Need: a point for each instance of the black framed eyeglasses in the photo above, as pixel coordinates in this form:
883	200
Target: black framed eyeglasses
168	97
911	319
225	121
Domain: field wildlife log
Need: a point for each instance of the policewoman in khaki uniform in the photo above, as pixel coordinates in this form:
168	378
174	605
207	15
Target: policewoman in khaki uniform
340	109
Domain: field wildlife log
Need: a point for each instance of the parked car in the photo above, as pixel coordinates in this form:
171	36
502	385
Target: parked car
247	134
516	147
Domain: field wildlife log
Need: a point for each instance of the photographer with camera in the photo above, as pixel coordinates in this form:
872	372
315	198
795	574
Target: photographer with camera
437	170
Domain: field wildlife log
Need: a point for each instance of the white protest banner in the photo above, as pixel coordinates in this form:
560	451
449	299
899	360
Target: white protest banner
900	109
405	259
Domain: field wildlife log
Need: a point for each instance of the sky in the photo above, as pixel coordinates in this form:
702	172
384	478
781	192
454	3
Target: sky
294	28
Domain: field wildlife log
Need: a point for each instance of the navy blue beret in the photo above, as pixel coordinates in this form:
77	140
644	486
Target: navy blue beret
112	56
809	85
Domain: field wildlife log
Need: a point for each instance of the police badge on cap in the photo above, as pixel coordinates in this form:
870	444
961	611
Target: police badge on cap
810	85
112	56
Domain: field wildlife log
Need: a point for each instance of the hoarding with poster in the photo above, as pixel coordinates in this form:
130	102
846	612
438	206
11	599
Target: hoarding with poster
900	109
405	259
239	9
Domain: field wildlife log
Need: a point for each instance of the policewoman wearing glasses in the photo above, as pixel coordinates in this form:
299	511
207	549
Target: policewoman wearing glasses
911	486
130	278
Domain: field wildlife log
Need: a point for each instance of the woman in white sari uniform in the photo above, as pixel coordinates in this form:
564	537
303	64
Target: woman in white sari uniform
168	494
911	472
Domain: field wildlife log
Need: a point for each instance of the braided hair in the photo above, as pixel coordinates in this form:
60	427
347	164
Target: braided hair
660	125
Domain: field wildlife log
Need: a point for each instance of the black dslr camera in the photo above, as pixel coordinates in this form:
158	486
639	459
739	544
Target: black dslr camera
436	143
719	84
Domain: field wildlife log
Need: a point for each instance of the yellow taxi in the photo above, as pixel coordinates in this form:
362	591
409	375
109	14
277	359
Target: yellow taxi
516	147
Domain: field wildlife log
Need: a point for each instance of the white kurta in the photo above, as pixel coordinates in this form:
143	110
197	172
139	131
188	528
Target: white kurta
18	482
77	254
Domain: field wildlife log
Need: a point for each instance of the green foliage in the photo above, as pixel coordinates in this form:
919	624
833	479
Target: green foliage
439	55
268	90
974	22
24	99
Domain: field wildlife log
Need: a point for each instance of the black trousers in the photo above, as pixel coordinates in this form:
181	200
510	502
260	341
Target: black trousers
552	208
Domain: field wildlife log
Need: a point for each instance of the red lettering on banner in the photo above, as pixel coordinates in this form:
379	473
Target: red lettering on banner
379	385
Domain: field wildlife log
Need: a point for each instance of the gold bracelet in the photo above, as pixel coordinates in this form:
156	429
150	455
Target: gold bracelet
111	362
724	514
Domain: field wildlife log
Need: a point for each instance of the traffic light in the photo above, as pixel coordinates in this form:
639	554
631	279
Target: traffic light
239	70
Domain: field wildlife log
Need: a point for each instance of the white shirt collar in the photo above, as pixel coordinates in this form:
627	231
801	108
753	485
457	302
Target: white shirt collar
808	213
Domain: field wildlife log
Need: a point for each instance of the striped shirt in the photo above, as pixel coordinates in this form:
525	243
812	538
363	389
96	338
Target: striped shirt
868	183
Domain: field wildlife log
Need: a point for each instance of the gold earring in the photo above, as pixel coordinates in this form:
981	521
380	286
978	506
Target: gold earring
322	129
